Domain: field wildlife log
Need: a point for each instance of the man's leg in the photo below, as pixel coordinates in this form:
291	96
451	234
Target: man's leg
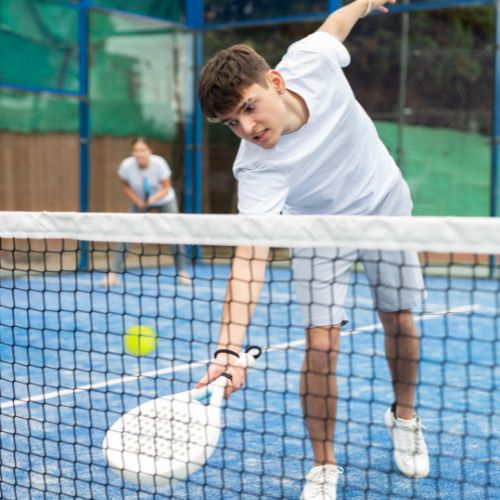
402	352
319	390
321	276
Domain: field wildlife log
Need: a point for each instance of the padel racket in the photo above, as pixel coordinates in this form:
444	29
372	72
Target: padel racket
147	188
172	436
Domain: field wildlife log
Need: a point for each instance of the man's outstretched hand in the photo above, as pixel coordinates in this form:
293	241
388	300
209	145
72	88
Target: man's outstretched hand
225	363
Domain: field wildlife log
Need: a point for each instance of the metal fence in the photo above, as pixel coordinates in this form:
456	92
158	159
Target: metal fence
88	72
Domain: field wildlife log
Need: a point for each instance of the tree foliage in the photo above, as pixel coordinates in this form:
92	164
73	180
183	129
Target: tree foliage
450	62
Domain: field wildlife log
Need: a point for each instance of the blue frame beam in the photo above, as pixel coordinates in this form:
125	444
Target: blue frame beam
98	8
438	4
333	4
495	153
193	147
193	175
198	129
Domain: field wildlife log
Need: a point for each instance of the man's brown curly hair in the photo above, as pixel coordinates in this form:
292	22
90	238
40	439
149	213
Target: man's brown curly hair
224	78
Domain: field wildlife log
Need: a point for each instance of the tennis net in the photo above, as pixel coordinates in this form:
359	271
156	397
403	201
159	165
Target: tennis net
66	375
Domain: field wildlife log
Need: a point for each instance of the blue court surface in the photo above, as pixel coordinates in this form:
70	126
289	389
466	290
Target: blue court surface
65	378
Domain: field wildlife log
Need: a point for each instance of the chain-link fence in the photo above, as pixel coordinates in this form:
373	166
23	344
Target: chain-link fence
432	103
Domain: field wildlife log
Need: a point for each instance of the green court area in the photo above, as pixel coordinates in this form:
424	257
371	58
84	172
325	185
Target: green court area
448	170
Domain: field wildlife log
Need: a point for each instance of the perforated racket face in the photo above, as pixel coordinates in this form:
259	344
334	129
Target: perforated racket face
166	432
163	439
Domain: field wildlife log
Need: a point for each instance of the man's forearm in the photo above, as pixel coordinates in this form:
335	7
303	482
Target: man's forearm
340	23
243	291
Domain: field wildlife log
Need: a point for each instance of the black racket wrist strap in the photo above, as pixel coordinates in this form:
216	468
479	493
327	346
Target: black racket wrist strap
225	351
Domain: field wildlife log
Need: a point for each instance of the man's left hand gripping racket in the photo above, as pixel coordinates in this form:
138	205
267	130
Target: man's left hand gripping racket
172	436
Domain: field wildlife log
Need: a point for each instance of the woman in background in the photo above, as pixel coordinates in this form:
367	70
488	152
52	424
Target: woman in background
146	179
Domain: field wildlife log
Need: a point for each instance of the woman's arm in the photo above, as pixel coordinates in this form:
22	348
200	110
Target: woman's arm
165	188
132	196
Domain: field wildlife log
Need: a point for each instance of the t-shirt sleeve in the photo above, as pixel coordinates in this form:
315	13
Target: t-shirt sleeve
312	68
162	168
261	192
123	171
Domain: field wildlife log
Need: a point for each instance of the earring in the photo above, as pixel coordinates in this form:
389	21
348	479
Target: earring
282	91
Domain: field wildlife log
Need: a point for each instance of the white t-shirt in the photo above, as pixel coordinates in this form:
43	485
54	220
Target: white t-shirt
335	163
142	180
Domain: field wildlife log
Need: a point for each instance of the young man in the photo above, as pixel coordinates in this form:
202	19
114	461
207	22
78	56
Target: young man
308	147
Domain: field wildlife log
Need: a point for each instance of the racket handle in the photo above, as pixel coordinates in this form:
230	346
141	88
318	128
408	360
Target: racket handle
246	360
249	357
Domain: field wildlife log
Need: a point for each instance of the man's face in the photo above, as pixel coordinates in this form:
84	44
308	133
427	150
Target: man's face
260	117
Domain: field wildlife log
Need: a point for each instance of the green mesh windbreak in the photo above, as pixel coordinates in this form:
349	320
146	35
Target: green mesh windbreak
447	170
39	44
136	70
137	76
161	9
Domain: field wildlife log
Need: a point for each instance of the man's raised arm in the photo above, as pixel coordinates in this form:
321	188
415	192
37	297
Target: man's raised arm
340	23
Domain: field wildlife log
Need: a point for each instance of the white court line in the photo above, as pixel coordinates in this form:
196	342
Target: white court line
104	383
187	366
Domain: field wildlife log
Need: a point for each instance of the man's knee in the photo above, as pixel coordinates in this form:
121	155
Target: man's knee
398	323
322	347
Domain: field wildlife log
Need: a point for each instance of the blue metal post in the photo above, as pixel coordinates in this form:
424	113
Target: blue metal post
495	152
333	5
193	164
188	130
193	178
84	118
198	127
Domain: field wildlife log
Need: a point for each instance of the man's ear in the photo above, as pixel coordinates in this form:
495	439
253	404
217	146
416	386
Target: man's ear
276	80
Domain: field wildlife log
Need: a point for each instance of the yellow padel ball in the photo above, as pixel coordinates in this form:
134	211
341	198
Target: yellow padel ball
140	340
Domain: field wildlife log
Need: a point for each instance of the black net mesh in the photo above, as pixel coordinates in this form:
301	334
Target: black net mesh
80	348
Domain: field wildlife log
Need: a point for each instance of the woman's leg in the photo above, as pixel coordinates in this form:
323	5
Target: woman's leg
179	251
118	260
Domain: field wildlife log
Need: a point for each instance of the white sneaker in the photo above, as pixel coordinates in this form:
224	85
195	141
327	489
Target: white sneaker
183	279
410	450
321	483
